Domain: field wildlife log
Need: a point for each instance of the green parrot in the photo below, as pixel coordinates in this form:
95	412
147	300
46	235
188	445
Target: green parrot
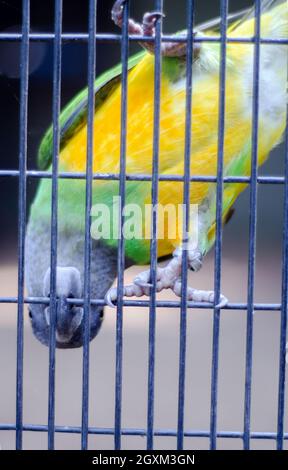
106	159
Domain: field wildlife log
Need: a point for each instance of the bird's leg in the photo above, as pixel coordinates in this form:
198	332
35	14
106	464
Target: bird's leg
169	277
147	28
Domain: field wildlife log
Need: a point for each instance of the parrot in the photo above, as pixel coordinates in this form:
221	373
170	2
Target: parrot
139	150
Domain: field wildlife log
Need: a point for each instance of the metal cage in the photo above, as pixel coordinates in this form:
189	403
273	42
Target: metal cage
22	174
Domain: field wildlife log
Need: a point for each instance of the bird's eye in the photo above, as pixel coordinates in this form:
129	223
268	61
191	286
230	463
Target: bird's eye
30	313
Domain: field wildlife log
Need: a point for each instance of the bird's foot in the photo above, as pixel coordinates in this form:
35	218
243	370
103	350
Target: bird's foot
166	278
147	28
195	257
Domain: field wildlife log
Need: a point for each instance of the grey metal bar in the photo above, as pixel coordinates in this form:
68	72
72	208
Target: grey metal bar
218	239
252	229
154	220
88	205
186	223
54	218
24	83
116	38
145	303
284	306
121	245
143	177
142	432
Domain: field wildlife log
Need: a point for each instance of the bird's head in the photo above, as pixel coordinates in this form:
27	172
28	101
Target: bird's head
69	316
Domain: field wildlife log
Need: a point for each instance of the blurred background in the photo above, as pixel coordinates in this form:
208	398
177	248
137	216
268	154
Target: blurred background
200	322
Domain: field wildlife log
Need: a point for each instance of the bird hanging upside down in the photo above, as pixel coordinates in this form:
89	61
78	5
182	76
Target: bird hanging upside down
106	159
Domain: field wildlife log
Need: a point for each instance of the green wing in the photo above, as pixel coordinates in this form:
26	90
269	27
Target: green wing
74	115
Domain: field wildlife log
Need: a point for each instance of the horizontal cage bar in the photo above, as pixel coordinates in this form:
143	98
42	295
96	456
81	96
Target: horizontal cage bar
142	432
112	38
145	303
136	177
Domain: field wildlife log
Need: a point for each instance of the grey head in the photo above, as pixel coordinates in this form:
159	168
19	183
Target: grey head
69	284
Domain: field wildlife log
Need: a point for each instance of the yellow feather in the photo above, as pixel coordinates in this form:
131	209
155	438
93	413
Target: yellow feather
204	130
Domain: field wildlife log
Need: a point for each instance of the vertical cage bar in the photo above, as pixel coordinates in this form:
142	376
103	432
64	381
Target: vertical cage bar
218	239
252	228
54	217
153	245
24	84
186	223
284	300
88	205
121	244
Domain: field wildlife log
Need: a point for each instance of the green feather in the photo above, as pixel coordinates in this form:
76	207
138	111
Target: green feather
71	210
74	115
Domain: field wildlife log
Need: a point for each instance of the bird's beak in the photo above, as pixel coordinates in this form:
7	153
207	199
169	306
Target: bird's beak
68	319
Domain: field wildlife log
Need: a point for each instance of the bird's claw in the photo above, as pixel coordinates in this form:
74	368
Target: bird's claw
200	296
147	28
110	294
131	290
139	282
223	301
149	21
195	261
